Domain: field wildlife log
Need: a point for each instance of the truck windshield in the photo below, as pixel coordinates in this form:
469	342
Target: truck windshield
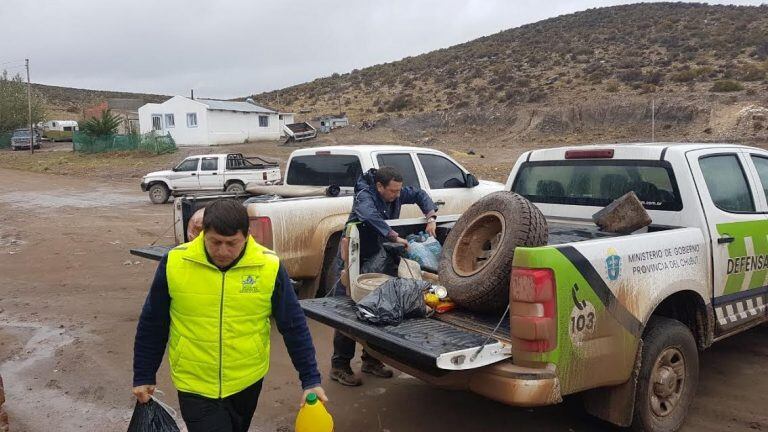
324	170
597	183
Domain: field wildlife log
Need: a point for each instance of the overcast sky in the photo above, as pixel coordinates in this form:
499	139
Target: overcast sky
226	49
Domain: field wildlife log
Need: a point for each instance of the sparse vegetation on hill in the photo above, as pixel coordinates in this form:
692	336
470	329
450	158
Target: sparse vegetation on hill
65	102
633	49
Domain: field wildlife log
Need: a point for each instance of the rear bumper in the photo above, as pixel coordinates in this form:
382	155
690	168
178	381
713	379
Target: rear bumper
503	382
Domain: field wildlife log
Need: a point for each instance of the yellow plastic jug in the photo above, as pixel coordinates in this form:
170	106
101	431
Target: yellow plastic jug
313	417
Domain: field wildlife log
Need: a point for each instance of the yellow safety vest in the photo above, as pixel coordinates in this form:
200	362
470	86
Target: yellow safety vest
219	335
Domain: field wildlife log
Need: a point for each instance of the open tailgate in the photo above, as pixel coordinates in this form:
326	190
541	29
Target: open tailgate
151	252
434	345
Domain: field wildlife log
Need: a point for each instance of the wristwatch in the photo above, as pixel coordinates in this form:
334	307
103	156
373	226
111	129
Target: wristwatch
432	219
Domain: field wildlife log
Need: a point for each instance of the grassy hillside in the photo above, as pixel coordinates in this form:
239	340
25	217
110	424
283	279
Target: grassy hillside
66	103
669	49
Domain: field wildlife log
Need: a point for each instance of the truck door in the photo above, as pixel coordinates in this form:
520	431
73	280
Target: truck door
403	162
185	175
734	206
447	184
210	176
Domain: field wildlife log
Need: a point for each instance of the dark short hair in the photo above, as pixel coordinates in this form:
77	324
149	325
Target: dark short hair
226	216
386	174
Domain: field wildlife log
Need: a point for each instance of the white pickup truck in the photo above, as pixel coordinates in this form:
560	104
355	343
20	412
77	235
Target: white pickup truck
305	231
210	173
621	318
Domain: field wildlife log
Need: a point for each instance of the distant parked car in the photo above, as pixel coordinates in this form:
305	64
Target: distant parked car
20	139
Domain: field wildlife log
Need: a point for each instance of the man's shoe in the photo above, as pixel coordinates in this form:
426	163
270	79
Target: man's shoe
376	368
345	376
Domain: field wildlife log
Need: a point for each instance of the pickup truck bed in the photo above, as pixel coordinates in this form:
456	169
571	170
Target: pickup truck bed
419	341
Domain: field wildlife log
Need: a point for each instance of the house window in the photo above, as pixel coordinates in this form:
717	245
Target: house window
157	122
192	120
264	121
169	121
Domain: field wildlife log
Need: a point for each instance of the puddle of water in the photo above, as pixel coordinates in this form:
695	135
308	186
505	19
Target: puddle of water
64	198
8	241
64	411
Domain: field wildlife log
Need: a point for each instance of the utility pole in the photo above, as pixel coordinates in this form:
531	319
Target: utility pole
29	106
653	119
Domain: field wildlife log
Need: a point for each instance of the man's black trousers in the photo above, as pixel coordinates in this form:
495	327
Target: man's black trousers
231	414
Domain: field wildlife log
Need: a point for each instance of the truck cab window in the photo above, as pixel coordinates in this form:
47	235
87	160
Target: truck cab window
441	172
727	183
315	170
188	165
761	165
403	163
598	183
209	164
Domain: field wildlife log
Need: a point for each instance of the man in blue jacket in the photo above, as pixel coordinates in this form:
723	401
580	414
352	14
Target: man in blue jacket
211	302
379	195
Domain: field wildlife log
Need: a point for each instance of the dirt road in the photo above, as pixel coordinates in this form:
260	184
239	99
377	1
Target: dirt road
70	295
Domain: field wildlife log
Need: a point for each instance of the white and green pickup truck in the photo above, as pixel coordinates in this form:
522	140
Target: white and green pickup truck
621	318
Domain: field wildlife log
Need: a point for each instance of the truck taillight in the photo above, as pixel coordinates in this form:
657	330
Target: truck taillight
261	230
532	309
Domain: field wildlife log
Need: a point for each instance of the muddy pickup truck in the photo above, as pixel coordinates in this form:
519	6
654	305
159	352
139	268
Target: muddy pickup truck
305	230
621	318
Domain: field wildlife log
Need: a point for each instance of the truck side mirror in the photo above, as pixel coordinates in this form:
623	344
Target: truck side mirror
472	180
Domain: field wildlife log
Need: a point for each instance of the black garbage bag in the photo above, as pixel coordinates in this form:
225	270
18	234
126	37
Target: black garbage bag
151	417
393	301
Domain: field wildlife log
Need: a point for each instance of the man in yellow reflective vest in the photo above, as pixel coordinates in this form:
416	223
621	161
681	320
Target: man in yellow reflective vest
211	302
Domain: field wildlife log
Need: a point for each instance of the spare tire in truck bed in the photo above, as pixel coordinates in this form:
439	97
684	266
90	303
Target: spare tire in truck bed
477	254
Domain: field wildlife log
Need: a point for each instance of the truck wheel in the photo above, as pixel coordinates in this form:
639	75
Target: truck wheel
235	187
158	193
477	254
669	374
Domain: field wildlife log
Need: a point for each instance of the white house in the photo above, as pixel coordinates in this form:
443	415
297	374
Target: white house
211	122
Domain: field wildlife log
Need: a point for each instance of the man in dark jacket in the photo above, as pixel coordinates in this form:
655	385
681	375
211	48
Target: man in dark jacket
379	195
